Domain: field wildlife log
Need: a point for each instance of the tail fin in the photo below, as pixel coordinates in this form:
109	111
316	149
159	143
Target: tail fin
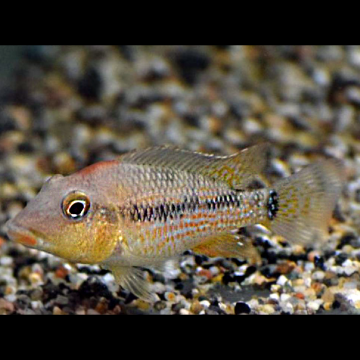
305	202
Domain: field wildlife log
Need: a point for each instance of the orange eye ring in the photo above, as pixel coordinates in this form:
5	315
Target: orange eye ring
76	205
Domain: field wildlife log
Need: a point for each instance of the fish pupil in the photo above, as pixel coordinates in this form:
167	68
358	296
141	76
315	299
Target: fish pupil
77	209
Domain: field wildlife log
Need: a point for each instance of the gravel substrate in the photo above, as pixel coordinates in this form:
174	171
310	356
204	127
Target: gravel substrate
70	106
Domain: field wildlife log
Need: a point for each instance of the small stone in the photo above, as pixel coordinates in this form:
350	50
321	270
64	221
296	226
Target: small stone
309	266
36	294
61	272
92	312
158	288
313	305
6	261
275	297
58	311
282	280
61	300
102	307
196	307
286	268
310	294
35	279
160	305
285	297
35	305
170	296
6	306
205	304
242	308
80	311
312	255
299	289
205	273
318	275
268	309
184	312
10	290
287	308
351	285
275	288
11	298
2	241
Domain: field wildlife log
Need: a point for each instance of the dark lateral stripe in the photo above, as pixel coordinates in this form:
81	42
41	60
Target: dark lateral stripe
163	211
190	204
225	201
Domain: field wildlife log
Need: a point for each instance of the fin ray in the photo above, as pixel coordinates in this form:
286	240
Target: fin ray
165	266
306	201
132	279
230	246
238	170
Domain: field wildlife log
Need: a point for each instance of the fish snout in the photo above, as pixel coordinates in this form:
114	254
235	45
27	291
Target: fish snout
19	235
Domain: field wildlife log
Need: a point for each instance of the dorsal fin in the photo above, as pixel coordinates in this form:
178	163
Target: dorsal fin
238	170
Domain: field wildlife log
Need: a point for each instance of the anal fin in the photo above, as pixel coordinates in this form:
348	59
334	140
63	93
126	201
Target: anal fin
132	279
230	246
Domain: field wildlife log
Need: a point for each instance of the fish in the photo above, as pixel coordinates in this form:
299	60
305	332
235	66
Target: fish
149	206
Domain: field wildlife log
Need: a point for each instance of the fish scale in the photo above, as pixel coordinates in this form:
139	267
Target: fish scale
174	232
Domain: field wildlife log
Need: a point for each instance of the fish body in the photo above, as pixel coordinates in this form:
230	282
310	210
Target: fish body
170	211
152	205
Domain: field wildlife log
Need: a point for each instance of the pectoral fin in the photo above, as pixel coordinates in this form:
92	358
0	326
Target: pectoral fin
167	266
132	279
230	246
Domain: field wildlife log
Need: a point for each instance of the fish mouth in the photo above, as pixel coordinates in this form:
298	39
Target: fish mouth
23	236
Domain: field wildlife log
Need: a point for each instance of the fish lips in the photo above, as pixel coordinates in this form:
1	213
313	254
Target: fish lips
21	235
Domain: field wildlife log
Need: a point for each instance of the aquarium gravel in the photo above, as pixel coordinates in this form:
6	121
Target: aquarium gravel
67	107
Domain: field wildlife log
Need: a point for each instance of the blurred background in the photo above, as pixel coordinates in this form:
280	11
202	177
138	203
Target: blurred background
9	56
65	107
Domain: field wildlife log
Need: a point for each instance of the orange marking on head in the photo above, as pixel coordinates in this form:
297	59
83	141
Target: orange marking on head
25	240
100	165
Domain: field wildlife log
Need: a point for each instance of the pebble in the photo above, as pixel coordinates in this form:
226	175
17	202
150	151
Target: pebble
318	276
61	300
267	309
205	304
6	261
196	307
282	280
314	305
242	308
169	296
58	311
184	312
6	307
287	308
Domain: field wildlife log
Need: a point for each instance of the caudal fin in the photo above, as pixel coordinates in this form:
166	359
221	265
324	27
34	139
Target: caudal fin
305	202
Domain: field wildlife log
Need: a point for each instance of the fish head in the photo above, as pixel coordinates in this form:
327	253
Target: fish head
69	218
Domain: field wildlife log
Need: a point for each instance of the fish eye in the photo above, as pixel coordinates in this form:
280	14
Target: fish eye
76	205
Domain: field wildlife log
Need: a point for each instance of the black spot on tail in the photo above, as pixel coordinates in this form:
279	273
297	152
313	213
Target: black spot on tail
273	204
